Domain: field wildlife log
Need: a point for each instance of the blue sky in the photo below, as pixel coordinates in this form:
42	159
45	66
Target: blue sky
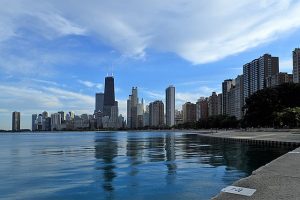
55	54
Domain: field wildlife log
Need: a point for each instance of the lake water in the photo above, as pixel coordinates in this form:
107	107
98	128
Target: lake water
123	165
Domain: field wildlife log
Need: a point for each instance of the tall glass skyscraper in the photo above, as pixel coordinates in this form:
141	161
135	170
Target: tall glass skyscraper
109	95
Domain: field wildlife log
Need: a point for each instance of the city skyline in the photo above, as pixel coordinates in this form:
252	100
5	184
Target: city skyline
58	62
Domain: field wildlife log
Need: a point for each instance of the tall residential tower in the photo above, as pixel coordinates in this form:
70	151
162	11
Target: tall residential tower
170	106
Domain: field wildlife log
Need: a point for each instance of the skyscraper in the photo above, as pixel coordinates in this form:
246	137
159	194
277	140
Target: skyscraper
99	101
134	109
170	106
109	95
296	65
16	120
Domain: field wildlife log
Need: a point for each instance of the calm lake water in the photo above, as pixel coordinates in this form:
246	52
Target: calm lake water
123	165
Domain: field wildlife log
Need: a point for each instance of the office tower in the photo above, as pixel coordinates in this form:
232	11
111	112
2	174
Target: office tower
16	120
213	105
279	79
33	122
114	115
140	114
202	108
256	72
189	112
156	114
146	117
109	95
134	103
72	115
129	112
55	122
220	99
40	122
296	65
63	116
170	106
226	86
99	101
132	109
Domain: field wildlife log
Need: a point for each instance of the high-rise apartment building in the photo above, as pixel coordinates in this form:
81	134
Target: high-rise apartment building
189	112
170	106
16	121
296	65
256	72
202	108
109	95
156	114
99	102
220	100
226	86
213	105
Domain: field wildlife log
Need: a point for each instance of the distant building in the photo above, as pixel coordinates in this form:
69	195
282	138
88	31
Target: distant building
202	108
178	117
55	122
156	114
189	112
226	86
278	79
16	121
220	107
33	122
146	117
296	65
213	105
99	102
170	106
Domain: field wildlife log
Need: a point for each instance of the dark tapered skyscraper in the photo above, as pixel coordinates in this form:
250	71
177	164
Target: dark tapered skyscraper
109	95
16	118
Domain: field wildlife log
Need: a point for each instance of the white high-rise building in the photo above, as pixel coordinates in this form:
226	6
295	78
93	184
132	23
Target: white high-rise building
170	106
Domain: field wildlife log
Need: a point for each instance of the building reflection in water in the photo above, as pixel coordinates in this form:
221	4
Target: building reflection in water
170	157
106	149
134	153
156	148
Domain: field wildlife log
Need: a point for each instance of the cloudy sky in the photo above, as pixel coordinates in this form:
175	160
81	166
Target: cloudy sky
55	54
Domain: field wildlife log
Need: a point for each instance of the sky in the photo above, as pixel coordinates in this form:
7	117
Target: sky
54	55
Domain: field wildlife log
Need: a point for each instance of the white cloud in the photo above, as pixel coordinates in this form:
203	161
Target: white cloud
198	31
90	84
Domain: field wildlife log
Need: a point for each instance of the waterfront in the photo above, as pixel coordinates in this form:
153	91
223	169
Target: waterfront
123	165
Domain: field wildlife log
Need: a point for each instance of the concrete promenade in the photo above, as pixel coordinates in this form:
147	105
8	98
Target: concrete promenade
279	179
269	137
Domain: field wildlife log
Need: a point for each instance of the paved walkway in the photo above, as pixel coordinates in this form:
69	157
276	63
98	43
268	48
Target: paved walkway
279	179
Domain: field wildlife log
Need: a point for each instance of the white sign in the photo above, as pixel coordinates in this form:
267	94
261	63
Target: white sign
239	190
